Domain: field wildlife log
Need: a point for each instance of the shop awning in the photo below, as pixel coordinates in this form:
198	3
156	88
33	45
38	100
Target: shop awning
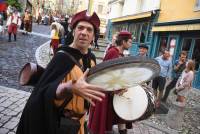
132	17
187	27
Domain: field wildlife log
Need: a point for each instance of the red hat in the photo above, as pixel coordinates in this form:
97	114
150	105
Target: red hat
84	16
125	34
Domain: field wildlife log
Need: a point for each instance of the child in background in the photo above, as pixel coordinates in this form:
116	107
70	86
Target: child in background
54	38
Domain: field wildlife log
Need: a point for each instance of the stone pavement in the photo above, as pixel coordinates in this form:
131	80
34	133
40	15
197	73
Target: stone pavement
12	102
186	121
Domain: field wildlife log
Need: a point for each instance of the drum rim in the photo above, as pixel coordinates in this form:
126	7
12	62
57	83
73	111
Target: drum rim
125	60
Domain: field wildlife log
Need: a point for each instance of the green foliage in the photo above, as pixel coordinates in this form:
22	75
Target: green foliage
14	3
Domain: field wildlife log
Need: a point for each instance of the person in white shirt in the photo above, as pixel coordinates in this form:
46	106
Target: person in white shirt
13	22
165	73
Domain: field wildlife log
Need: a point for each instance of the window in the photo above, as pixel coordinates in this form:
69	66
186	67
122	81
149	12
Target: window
172	45
100	9
132	29
143	32
163	45
186	45
119	27
197	5
196	53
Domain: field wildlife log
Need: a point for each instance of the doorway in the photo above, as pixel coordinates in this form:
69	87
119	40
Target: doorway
192	47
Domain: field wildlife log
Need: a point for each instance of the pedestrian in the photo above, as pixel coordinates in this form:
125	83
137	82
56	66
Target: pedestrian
27	21
1	25
184	83
178	68
39	18
54	38
50	19
165	73
64	82
113	43
61	32
96	46
143	50
69	36
65	27
102	116
12	23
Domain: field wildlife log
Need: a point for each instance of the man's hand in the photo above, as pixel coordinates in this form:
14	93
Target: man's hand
180	62
87	91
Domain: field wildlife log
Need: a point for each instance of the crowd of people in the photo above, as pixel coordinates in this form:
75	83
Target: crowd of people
62	89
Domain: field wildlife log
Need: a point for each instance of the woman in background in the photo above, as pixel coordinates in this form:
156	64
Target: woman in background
184	83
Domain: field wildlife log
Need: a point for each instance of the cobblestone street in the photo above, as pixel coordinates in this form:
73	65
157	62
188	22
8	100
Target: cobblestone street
15	54
34	48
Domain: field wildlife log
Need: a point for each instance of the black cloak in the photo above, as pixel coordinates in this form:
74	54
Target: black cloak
40	113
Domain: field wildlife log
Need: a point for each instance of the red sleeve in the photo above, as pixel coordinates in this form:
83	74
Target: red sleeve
111	54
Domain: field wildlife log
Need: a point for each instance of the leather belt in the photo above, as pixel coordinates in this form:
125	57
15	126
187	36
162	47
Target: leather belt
71	114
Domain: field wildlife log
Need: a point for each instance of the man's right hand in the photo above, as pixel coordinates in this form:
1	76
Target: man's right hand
88	91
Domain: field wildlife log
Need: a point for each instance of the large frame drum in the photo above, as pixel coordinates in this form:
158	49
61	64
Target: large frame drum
138	102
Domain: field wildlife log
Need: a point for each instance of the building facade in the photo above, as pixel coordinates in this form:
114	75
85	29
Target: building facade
178	29
100	7
135	16
161	24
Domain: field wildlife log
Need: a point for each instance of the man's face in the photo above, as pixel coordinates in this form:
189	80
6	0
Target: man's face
127	44
114	39
142	51
182	58
83	34
166	55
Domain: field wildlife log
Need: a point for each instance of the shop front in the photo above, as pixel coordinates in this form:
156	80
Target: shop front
139	25
177	37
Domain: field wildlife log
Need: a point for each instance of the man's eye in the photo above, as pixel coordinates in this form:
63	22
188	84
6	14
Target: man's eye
80	27
89	29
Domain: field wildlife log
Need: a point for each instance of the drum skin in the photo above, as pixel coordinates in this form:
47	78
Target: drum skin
138	103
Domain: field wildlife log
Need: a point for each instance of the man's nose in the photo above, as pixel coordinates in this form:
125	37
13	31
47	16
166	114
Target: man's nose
84	31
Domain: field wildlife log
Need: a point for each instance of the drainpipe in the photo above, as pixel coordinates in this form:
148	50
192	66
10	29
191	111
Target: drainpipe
90	3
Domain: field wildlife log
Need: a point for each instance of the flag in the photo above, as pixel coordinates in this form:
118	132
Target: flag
3	6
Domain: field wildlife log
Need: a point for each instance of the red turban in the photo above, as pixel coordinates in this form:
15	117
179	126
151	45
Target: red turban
84	16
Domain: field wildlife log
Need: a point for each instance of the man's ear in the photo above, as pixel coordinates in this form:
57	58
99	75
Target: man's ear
73	33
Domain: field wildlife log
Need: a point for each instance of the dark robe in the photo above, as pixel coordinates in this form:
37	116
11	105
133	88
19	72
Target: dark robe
40	113
102	116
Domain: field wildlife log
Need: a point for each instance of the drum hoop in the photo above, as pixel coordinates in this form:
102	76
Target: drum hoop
126	60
